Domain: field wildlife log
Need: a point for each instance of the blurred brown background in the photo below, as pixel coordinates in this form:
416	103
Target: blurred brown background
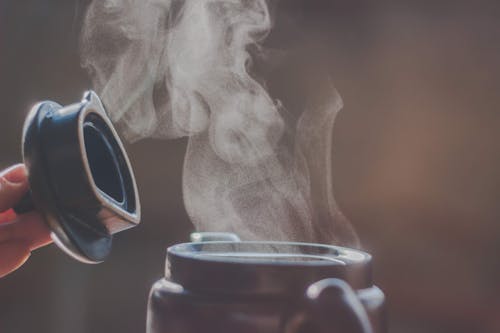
416	166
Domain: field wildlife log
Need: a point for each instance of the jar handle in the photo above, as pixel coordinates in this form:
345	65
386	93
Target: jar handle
197	237
331	306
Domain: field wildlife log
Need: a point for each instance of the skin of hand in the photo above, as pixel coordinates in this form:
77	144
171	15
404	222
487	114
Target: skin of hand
19	234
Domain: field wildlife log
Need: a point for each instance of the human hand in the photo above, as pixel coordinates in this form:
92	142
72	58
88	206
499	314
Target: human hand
19	234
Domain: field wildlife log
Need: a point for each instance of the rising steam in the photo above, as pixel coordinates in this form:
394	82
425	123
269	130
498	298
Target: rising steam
181	68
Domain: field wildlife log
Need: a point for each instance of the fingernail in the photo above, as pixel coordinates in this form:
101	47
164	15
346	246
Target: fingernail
15	174
7	216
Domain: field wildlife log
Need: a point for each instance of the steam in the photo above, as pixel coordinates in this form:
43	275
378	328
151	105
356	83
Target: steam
181	68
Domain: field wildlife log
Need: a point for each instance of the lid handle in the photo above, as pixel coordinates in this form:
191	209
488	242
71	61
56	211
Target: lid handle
25	204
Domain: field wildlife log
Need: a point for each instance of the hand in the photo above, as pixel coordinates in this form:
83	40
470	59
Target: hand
19	234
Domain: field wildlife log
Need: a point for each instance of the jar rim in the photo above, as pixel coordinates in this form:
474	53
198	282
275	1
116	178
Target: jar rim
264	266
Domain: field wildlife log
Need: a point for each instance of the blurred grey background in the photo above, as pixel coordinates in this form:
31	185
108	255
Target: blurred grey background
416	166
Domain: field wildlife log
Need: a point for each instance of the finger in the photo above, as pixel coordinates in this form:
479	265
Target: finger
13	185
27	227
12	255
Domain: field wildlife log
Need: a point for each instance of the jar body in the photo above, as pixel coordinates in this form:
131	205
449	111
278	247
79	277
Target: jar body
172	309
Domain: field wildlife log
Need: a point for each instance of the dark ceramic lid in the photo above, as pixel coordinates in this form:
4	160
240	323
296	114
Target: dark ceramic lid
80	177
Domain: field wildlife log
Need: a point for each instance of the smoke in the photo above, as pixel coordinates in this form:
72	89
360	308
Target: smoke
183	68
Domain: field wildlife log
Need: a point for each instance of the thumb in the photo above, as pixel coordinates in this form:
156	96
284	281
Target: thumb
13	185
